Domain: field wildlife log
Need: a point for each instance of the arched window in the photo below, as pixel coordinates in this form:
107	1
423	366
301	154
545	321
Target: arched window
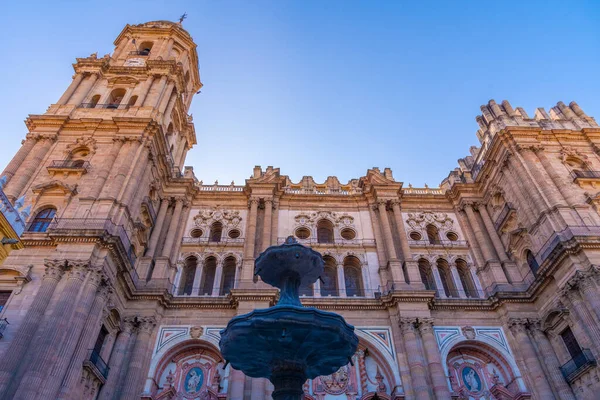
329	285
93	101
426	274
532	262
433	234
132	101
353	277
466	278
306	289
186	283
116	96
228	275
145	48
325	231
216	230
208	276
42	220
446	278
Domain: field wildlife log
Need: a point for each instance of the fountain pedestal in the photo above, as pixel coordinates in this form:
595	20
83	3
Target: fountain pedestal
288	343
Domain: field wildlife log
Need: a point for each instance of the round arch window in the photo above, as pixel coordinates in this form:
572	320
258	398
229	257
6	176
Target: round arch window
234	234
196	233
302	233
348	234
414	235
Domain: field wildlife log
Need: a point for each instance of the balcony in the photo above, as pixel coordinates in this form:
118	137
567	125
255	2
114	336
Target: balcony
67	167
438	243
578	365
3	324
334	242
94	227
109	106
97	364
206	241
140	53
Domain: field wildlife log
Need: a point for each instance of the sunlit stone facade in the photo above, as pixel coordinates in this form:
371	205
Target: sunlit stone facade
486	287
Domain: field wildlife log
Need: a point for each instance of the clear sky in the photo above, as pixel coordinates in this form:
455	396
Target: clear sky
323	87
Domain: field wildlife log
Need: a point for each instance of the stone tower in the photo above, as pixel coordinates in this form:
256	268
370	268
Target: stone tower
102	172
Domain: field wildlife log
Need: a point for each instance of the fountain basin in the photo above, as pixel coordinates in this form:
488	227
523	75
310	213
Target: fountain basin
261	342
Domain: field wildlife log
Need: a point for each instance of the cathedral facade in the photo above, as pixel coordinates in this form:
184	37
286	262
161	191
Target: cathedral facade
484	288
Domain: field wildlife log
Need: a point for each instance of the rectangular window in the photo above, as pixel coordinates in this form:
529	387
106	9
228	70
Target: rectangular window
4	299
571	343
100	341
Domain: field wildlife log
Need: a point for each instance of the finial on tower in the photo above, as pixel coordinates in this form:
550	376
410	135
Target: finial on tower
183	16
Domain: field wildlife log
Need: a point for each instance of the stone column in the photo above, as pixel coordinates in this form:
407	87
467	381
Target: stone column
49	341
14	355
548	357
266	233
473	245
236	388
542	180
457	282
341	281
197	278
438	377
180	232
144	89
403	365
171	105
56	371
387	231
134	380
70	384
124	160
379	245
529	213
171	233
493	234
591	294
70	90
160	220
31	163
248	263
115	364
406	252
155	92
217	282
83	89
166	97
18	159
106	167
577	305
525	181
562	181
525	348
141	163
275	222
441	291
479	234
415	358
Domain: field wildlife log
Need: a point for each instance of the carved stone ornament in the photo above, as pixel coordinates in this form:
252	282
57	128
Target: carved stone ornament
337	382
228	218
81	143
420	220
312	217
196	332
468	332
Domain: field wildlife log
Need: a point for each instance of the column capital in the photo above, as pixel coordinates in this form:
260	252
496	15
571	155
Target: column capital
407	325
147	324
425	325
396	203
582	280
96	276
517	325
54	269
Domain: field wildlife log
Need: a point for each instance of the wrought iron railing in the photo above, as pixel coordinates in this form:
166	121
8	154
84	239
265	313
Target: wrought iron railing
577	174
99	363
443	243
577	364
206	240
110	106
3	324
335	241
70	164
139	53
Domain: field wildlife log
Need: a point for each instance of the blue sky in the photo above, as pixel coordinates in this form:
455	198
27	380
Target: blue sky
323	87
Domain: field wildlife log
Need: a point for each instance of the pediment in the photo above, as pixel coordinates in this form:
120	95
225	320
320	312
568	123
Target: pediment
55	187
